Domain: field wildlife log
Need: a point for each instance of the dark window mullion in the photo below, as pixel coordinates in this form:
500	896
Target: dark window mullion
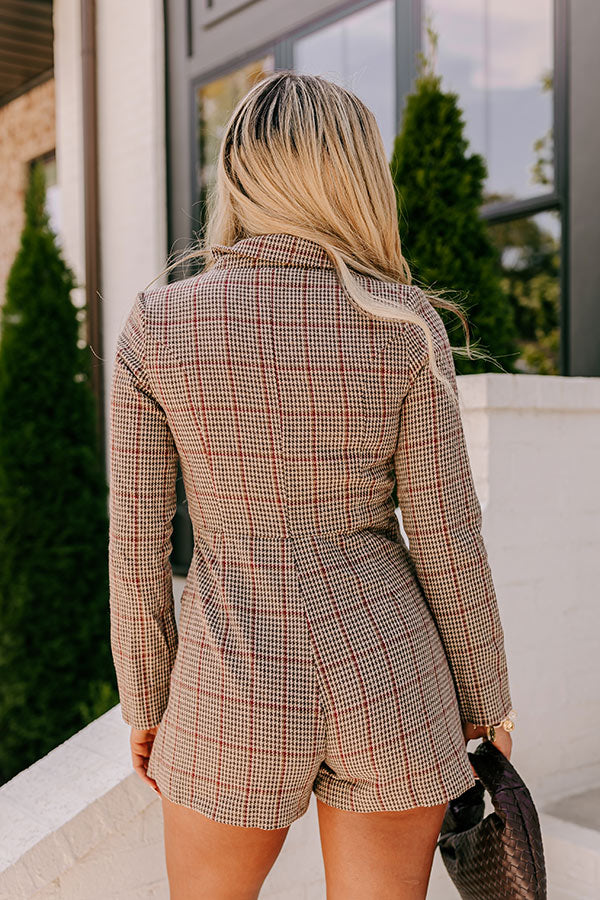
506	210
561	168
408	40
284	54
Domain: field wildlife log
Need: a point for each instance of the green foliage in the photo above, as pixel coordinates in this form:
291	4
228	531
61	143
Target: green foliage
531	264
543	169
446	242
55	666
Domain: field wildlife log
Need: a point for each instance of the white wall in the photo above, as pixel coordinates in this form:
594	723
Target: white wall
131	124
79	826
131	148
69	124
535	445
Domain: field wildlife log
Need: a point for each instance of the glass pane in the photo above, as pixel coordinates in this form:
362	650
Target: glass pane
215	102
358	53
52	206
530	251
53	199
497	56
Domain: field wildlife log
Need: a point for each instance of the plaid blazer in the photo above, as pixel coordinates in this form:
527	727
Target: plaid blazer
291	413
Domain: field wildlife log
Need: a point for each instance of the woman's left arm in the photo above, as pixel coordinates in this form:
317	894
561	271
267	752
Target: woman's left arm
142	502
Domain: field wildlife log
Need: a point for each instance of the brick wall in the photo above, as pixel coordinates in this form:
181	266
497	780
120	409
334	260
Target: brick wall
27	126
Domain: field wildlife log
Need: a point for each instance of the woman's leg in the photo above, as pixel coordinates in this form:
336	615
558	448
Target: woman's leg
208	860
378	855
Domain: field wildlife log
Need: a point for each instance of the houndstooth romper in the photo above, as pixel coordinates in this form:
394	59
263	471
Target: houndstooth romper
313	652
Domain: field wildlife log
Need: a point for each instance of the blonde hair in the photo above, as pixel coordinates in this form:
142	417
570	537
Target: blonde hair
303	155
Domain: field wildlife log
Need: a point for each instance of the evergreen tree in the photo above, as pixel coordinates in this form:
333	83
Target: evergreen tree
446	242
56	671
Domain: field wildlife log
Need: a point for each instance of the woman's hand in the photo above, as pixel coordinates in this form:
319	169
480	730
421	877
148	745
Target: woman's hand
141	740
502	739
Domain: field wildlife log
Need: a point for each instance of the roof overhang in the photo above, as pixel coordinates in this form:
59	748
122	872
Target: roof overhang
26	46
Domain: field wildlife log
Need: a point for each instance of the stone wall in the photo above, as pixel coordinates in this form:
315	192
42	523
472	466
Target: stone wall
27	126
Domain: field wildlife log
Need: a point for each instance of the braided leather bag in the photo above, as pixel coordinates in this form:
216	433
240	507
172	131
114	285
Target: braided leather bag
500	857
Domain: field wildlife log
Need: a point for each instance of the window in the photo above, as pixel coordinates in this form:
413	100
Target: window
358	52
48	161
497	56
530	253
215	101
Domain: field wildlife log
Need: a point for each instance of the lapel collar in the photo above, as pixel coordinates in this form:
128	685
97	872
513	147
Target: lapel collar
272	249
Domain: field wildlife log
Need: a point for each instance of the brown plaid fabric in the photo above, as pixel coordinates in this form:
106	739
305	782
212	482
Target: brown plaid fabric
314	652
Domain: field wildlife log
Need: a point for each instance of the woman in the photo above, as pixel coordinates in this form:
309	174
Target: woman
303	385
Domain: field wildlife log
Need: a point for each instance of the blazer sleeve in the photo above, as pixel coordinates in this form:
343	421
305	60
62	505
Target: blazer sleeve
142	502
442	517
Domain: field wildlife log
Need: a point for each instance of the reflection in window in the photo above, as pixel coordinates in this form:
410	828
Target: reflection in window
530	252
214	104
48	162
358	53
497	56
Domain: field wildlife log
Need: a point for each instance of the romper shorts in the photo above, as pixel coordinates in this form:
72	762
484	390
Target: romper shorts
308	664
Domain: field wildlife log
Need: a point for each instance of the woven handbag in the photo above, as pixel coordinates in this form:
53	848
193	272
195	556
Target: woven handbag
501	856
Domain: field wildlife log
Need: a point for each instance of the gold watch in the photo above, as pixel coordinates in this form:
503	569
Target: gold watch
507	723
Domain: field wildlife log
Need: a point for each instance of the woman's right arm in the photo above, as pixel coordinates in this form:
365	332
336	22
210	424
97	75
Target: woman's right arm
442	518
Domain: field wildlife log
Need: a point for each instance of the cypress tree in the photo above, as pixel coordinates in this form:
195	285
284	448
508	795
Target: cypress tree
447	244
56	672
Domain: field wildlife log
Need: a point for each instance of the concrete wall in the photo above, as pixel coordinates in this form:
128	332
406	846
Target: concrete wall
535	444
79	826
27	129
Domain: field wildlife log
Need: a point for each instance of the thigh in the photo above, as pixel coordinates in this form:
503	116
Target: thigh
208	860
378	855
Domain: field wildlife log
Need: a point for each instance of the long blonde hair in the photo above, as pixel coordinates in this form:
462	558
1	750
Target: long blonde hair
303	155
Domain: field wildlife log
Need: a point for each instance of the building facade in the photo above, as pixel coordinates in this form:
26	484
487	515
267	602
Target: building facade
136	134
127	113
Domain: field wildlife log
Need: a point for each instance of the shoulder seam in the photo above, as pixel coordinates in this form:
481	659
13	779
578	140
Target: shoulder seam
141	298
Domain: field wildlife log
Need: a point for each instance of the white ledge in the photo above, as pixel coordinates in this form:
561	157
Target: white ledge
542	393
53	813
